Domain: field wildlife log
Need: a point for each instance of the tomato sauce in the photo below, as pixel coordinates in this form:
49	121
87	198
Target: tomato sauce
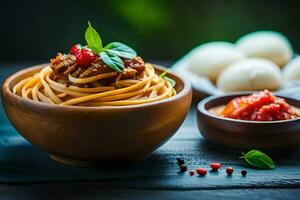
260	106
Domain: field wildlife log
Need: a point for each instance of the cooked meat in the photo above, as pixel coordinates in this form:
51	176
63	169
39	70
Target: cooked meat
96	69
128	73
136	63
62	63
65	64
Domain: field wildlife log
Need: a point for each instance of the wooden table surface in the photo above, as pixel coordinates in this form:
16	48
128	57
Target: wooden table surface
157	177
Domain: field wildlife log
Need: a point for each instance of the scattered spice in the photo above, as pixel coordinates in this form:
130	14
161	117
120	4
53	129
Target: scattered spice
180	161
215	166
201	171
244	172
183	168
229	171
192	172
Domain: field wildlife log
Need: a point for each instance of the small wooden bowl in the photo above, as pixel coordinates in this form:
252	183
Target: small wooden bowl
88	136
246	134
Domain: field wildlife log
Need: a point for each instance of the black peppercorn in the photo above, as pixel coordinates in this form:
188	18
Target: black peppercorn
180	161
183	168
244	172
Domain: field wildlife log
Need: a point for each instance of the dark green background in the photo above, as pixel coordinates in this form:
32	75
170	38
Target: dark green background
166	29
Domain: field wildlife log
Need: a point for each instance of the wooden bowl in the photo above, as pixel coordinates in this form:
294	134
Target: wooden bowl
246	134
88	136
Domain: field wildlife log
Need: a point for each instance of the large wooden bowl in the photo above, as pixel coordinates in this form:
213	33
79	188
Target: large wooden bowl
96	135
246	134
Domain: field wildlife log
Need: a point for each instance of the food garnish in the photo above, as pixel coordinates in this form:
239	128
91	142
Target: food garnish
229	171
180	161
183	167
258	159
215	166
192	172
112	53
244	172
201	171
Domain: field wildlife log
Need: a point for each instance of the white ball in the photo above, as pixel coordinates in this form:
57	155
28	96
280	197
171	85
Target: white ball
250	74
266	44
212	58
292	70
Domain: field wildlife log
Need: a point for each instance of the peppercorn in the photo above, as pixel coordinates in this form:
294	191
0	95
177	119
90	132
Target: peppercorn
215	166
229	171
244	172
201	171
192	172
183	167
180	161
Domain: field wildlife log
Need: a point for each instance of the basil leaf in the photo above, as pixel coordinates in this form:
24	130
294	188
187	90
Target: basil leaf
93	39
121	50
171	81
112	61
259	159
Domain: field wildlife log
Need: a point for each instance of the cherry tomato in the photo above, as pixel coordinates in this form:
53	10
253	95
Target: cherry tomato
85	57
75	49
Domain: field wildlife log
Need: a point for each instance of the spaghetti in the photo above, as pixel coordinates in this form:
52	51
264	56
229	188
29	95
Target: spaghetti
46	87
96	75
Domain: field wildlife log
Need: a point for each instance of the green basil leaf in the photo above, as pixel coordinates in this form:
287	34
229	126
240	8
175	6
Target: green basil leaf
112	61
93	39
120	50
171	81
259	159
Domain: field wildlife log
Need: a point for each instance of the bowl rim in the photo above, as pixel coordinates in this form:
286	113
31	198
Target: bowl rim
201	108
5	89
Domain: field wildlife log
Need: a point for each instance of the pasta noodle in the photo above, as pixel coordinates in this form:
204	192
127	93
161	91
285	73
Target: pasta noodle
43	87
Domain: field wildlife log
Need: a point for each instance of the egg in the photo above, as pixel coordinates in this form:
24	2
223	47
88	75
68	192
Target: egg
266	44
250	74
292	70
212	58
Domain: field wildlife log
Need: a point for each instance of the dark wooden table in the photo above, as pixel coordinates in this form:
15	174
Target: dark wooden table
157	177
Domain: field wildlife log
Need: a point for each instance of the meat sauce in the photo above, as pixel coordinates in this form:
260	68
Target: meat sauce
260	106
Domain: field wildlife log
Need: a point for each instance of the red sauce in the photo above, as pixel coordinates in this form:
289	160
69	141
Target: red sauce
260	106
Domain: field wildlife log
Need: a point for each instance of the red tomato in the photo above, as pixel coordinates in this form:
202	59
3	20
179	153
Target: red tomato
75	49
85	57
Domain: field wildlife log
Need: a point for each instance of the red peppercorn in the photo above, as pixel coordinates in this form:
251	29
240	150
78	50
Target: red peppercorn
244	172
85	57
215	166
192	172
201	171
180	161
183	168
75	49
229	170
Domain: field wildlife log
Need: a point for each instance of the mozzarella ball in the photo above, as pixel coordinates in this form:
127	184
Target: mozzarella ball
212	58
266	44
292	70
250	74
